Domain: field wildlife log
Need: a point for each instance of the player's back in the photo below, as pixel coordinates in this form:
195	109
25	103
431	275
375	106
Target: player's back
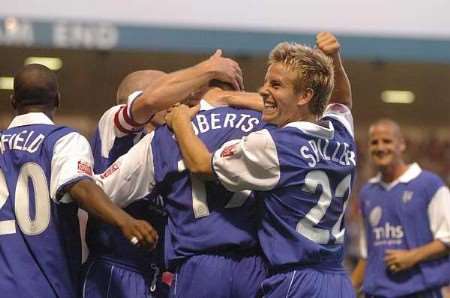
204	218
39	238
304	207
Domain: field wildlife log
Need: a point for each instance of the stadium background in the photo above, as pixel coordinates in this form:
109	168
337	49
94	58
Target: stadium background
399	46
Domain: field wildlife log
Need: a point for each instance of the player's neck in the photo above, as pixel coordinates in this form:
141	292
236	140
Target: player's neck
212	94
393	172
36	109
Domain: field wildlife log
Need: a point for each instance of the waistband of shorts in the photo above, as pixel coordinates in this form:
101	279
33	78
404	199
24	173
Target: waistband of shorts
325	266
141	268
234	252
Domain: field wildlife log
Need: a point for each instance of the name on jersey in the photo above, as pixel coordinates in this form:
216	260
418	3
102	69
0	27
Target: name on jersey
26	140
322	149
244	122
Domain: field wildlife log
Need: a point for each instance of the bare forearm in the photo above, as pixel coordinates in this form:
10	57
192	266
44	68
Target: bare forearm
170	89
358	274
432	250
342	92
91	198
195	154
248	100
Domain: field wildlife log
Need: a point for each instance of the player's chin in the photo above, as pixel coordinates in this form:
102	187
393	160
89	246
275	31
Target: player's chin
270	117
382	162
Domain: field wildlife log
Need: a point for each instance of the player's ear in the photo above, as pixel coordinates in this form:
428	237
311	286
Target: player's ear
305	96
57	100
13	101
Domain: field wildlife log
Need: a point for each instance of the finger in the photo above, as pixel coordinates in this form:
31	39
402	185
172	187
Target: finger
389	258
240	80
151	240
218	53
136	240
321	35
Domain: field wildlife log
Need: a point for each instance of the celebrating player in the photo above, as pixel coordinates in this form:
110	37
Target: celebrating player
211	235
406	213
301	169
45	173
114	265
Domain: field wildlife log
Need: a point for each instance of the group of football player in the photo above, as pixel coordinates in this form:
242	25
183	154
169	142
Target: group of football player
236	194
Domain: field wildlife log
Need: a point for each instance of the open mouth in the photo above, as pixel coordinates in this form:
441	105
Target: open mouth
269	104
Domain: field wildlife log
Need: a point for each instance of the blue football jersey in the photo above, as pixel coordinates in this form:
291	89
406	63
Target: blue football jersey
396	216
203	216
302	174
39	237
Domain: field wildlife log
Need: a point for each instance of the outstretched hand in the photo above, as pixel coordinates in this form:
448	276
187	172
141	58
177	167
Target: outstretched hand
180	114
226	70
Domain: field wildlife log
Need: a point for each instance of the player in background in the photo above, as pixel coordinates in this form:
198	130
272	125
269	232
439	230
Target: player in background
211	234
114	266
406	215
45	175
301	169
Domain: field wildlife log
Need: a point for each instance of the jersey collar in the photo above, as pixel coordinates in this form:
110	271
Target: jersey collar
205	106
314	129
411	173
29	119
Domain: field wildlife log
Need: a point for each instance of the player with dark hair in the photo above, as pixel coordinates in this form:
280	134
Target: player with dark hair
45	174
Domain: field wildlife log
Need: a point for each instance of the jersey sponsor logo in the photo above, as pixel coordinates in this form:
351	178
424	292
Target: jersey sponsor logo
114	167
375	216
407	196
387	233
84	168
228	151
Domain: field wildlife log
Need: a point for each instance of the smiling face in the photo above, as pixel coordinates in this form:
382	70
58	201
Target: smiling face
279	95
386	144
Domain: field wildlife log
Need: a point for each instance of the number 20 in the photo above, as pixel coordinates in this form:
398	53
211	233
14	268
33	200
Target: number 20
41	219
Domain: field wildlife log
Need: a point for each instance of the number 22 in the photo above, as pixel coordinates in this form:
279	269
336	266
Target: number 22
306	226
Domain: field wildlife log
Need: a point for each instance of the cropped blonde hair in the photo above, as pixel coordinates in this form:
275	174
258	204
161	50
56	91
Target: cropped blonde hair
313	68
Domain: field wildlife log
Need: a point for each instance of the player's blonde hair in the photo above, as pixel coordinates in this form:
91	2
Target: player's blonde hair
314	70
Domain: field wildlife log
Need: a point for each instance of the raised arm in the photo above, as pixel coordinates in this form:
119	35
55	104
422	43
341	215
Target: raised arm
176	86
342	92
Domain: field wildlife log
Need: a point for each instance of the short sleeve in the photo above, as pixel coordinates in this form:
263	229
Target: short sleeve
72	161
131	177
249	163
342	114
439	215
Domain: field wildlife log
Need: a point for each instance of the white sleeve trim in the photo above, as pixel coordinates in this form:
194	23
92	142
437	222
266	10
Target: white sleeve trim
131	177
248	163
439	215
72	159
108	130
341	113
